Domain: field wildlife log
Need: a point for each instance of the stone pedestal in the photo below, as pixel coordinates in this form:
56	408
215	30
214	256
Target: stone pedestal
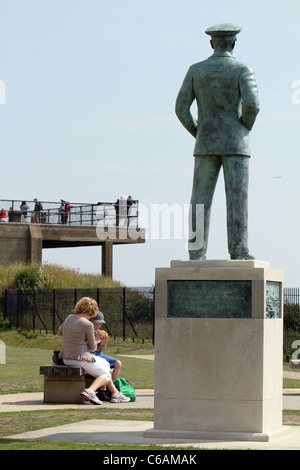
218	351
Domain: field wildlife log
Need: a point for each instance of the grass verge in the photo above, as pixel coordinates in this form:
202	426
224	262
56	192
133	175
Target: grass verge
18	276
18	422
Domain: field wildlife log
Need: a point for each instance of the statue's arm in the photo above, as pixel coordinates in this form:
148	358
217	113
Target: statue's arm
249	94
184	101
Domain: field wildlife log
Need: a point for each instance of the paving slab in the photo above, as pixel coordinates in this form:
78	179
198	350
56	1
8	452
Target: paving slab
118	432
144	399
34	401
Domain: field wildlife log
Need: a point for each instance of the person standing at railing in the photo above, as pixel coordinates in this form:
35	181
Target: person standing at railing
3	215
121	210
37	211
68	206
61	211
130	203
25	219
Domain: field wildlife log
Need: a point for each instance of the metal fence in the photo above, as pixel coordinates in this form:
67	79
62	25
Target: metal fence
291	320
123	212
129	313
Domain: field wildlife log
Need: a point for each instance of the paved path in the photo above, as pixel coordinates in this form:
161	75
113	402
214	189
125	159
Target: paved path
145	399
289	374
104	431
150	357
34	401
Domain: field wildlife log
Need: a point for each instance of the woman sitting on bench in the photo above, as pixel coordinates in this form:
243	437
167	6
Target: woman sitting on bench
78	344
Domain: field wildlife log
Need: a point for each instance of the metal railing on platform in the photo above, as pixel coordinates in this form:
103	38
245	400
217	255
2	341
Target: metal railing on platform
123	212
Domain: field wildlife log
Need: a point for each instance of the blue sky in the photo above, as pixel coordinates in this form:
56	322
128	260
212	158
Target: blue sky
89	116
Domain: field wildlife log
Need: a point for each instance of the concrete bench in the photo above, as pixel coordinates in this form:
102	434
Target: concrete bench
295	363
63	384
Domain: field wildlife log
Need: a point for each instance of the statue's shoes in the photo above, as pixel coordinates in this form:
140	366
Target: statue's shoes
197	257
244	257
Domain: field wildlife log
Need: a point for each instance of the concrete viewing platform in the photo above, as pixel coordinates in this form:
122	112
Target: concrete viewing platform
24	242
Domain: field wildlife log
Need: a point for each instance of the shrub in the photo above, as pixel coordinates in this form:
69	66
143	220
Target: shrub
31	277
4	324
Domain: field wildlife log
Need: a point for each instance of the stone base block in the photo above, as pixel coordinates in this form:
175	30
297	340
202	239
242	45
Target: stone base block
63	384
217	436
295	364
63	389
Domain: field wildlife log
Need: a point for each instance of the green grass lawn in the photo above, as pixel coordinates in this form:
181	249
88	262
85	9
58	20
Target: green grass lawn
21	373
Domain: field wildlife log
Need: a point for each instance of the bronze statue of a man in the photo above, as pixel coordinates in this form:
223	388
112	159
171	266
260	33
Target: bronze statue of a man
226	94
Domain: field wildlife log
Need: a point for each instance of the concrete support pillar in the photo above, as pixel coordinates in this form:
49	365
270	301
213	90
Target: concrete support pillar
35	244
14	243
107	258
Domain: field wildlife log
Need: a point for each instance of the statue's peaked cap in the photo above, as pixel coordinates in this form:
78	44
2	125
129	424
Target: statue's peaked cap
226	29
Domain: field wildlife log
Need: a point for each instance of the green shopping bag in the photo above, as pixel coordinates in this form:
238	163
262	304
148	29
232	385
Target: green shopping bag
126	388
